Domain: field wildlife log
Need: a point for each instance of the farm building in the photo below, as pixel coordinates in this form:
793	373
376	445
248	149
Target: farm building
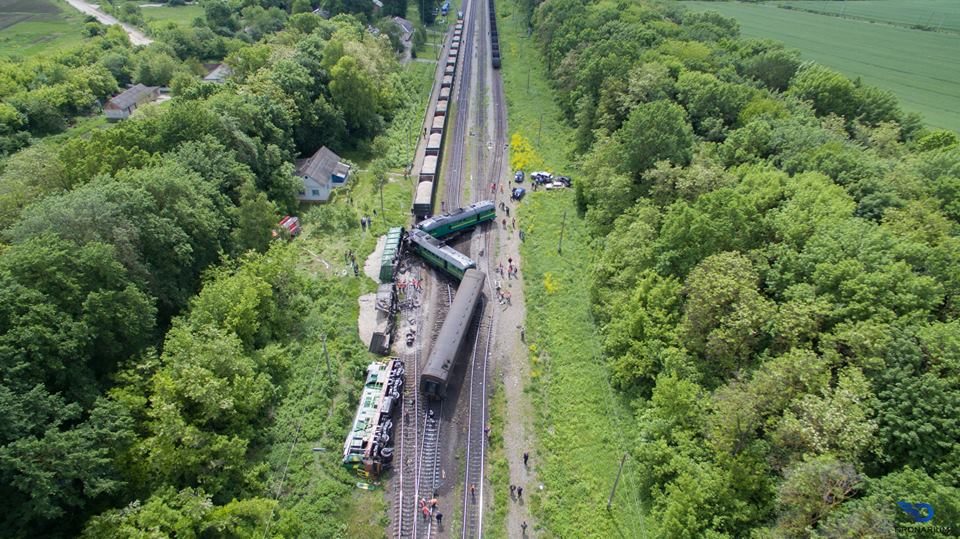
121	106
321	173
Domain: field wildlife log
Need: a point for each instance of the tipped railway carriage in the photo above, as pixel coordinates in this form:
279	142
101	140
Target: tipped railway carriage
442	257
460	219
435	378
368	449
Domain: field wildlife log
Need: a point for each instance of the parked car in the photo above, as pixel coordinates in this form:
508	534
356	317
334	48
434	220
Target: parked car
518	193
541	177
565	180
518	176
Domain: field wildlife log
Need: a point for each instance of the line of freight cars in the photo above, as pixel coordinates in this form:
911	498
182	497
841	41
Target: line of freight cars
494	38
430	171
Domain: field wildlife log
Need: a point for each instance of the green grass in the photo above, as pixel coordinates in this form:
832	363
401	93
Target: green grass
182	15
581	424
937	15
915	65
32	27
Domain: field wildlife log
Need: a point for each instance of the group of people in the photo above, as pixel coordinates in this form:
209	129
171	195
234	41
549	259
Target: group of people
511	269
503	296
365	222
352	261
431	508
414	283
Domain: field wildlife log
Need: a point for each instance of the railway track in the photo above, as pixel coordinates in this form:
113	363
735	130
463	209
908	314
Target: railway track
473	481
454	183
419	441
409	441
422	429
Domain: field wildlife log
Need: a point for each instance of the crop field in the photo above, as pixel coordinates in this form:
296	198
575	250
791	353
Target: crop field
29	27
182	15
937	15
918	66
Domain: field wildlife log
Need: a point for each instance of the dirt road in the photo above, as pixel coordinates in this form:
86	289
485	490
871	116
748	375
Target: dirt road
136	36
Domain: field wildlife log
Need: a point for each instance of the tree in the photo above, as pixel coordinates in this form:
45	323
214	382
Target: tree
711	104
301	6
774	68
653	132
725	317
60	461
811	490
828	91
355	95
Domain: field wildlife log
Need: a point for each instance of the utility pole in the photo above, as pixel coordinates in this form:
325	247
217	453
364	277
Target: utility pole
539	128
327	356
563	225
616	481
528	81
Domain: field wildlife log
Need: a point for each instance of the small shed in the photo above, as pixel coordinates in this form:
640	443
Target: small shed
321	173
121	106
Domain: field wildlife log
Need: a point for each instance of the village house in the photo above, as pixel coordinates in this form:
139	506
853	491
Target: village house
406	28
321	173
120	107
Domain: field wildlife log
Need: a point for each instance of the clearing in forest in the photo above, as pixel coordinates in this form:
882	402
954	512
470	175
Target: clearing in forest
915	65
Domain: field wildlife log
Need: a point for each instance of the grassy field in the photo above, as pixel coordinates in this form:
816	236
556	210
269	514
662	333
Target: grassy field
30	27
182	15
917	66
580	424
937	15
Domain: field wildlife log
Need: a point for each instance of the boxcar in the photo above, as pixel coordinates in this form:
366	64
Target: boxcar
438	122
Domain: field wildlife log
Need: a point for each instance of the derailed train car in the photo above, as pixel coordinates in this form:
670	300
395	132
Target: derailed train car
438	255
368	449
460	219
435	378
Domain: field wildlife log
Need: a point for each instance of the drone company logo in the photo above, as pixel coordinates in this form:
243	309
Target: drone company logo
915	511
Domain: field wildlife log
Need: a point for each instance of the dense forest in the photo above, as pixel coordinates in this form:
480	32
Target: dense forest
148	321
777	282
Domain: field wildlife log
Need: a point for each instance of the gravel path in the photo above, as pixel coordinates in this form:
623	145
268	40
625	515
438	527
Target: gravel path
512	355
136	36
